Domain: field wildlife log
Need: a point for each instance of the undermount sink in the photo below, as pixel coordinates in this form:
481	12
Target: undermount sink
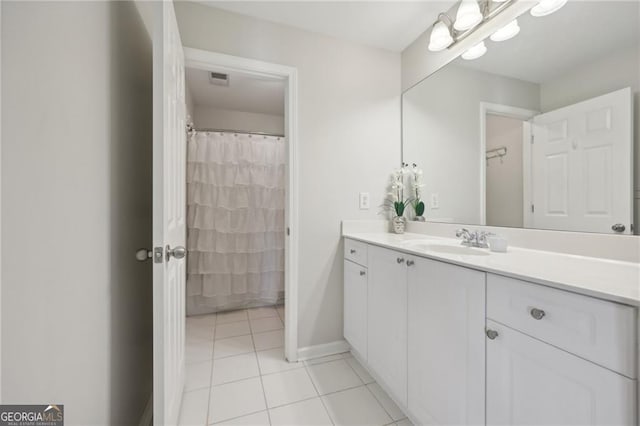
447	248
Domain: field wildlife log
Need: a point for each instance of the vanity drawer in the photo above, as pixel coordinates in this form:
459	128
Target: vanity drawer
600	331
355	251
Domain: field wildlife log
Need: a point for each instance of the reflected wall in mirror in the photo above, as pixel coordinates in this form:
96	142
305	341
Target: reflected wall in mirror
540	131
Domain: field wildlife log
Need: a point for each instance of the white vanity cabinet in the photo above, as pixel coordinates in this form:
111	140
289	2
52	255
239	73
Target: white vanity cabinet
387	320
446	343
530	382
558	358
355	296
461	345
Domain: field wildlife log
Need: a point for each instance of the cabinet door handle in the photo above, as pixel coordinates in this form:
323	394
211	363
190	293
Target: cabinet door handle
362	273
492	334
410	263
537	313
352	251
400	260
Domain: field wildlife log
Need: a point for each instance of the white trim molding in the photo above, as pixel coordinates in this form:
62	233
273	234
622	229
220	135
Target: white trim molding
326	349
205	60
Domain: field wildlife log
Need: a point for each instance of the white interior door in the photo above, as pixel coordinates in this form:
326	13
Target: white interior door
169	225
581	166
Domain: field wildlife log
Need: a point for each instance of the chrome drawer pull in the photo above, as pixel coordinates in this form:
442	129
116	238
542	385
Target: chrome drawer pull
537	313
400	260
410	262
362	273
492	334
352	251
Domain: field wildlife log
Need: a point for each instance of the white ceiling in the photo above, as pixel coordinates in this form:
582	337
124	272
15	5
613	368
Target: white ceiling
547	47
390	25
244	93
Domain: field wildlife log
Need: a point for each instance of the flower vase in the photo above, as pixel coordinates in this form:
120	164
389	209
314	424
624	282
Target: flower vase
420	219
399	223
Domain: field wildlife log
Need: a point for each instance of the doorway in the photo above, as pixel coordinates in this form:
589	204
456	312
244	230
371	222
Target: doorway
248	118
504	170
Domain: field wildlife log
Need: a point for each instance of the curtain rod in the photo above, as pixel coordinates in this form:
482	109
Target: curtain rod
234	131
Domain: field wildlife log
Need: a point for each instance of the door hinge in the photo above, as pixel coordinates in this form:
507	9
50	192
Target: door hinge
532	139
158	255
288	231
533	208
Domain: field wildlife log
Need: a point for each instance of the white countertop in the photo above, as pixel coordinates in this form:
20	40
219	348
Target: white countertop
605	279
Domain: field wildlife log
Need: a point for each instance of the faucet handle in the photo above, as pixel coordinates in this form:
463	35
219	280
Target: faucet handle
462	232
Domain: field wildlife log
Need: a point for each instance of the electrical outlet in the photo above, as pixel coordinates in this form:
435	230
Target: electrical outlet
364	201
435	201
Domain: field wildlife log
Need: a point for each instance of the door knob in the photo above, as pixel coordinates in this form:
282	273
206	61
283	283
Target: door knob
492	334
143	254
362	273
410	262
400	260
618	227
177	252
352	251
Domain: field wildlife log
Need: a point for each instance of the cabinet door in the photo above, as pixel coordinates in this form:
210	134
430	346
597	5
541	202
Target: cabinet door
387	325
531	382
355	307
446	348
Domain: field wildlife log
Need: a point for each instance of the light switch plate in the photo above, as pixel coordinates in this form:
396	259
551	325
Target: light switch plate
364	201
435	201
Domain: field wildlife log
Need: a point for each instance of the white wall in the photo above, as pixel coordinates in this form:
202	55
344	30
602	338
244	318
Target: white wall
214	118
349	135
504	176
76	149
441	132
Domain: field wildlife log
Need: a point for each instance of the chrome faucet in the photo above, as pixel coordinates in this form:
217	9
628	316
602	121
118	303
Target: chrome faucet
473	238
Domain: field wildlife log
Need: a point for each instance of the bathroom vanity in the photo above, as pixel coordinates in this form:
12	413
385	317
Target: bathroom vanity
460	335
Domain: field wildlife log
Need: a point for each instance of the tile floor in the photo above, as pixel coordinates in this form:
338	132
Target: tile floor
237	375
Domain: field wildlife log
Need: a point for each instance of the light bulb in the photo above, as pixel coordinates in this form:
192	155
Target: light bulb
508	31
547	7
468	15
440	37
475	52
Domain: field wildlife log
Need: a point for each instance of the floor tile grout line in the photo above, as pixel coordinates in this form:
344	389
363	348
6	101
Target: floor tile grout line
357	374
326	410
239	417
381	404
264	394
366	385
302	365
206	420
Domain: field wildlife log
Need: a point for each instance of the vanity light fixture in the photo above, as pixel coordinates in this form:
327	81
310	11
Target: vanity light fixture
475	52
547	7
440	36
508	31
468	15
446	32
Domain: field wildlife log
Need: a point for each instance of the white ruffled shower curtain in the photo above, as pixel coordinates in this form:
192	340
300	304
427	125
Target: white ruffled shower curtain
235	221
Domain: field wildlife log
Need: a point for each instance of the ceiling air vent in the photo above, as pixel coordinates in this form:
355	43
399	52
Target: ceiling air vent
219	79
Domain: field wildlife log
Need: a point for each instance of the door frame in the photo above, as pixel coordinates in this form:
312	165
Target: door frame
504	111
206	60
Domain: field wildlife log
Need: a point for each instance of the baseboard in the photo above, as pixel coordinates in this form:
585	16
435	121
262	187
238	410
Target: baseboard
317	351
147	415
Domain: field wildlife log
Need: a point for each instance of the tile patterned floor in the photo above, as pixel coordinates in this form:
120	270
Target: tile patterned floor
237	375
